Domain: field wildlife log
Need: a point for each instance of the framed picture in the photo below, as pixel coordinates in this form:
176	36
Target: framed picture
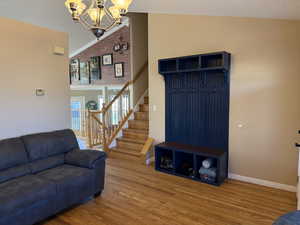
74	70
107	60
117	47
95	68
85	73
125	47
119	70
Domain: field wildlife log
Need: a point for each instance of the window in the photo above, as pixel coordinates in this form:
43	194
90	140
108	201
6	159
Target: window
125	104
115	111
100	101
77	112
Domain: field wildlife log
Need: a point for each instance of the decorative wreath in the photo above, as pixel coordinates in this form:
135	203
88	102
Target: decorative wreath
91	105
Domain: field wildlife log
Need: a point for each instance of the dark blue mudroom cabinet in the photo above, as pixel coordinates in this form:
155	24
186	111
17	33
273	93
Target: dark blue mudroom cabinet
197	115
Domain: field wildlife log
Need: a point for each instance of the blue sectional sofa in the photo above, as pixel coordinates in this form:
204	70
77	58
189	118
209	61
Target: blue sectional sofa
43	174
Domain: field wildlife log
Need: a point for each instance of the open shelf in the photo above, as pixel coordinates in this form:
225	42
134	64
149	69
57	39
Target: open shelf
164	160
204	62
189	63
199	160
187	161
184	164
212	61
168	65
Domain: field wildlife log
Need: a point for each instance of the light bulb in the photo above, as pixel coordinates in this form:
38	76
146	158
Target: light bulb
122	4
115	12
96	14
75	5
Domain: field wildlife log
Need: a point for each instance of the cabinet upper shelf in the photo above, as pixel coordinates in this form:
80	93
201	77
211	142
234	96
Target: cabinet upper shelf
203	62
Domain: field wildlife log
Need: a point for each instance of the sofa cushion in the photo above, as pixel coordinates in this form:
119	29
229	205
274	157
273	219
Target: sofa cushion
84	158
44	145
12	153
14	172
73	183
69	139
23	192
48	163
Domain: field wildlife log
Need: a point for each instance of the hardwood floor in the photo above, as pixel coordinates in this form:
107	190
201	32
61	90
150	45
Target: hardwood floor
138	195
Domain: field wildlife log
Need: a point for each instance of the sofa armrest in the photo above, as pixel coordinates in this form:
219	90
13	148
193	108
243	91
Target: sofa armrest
84	158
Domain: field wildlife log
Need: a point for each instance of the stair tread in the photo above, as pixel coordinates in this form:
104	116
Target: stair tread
140	121
132	140
126	151
134	130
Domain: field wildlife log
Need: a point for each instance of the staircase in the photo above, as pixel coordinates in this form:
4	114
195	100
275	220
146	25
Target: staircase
134	137
103	128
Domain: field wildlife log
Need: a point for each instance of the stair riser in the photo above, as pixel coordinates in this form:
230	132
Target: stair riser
134	124
141	116
144	108
146	100
128	145
135	135
132	140
119	155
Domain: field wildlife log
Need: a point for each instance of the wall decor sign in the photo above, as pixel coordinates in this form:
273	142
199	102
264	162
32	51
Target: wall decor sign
107	60
119	70
84	73
117	47
74	70
95	68
121	46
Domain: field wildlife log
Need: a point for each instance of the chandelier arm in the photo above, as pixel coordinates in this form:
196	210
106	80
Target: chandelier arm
85	24
85	12
109	14
111	26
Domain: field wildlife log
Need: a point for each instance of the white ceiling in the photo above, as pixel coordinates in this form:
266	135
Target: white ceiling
52	13
282	9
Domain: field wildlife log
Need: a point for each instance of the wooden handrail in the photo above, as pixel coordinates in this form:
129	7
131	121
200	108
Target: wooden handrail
139	74
116	97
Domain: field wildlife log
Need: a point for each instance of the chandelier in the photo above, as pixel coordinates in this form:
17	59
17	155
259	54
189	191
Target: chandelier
98	16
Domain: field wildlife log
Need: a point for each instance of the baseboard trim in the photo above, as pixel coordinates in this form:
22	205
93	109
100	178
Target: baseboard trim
263	182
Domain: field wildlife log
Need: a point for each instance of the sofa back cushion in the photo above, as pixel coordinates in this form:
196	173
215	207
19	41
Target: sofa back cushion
44	145
13	159
46	150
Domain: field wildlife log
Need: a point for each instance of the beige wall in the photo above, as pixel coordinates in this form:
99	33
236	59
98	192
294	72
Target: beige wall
139	51
265	82
27	63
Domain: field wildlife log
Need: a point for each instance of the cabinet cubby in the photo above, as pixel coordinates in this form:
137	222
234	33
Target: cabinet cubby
165	160
184	164
203	62
192	157
212	61
167	66
189	63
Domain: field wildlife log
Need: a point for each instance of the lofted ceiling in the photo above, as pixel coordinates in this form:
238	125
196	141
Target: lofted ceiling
52	13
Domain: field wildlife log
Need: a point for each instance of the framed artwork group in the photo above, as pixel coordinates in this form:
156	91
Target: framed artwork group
88	72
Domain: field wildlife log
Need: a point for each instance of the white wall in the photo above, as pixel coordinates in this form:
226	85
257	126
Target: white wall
27	62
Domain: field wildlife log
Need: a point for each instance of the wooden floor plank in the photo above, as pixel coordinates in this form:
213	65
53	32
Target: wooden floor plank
138	195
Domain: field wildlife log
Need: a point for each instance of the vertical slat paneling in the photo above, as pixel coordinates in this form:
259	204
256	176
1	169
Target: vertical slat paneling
197	109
